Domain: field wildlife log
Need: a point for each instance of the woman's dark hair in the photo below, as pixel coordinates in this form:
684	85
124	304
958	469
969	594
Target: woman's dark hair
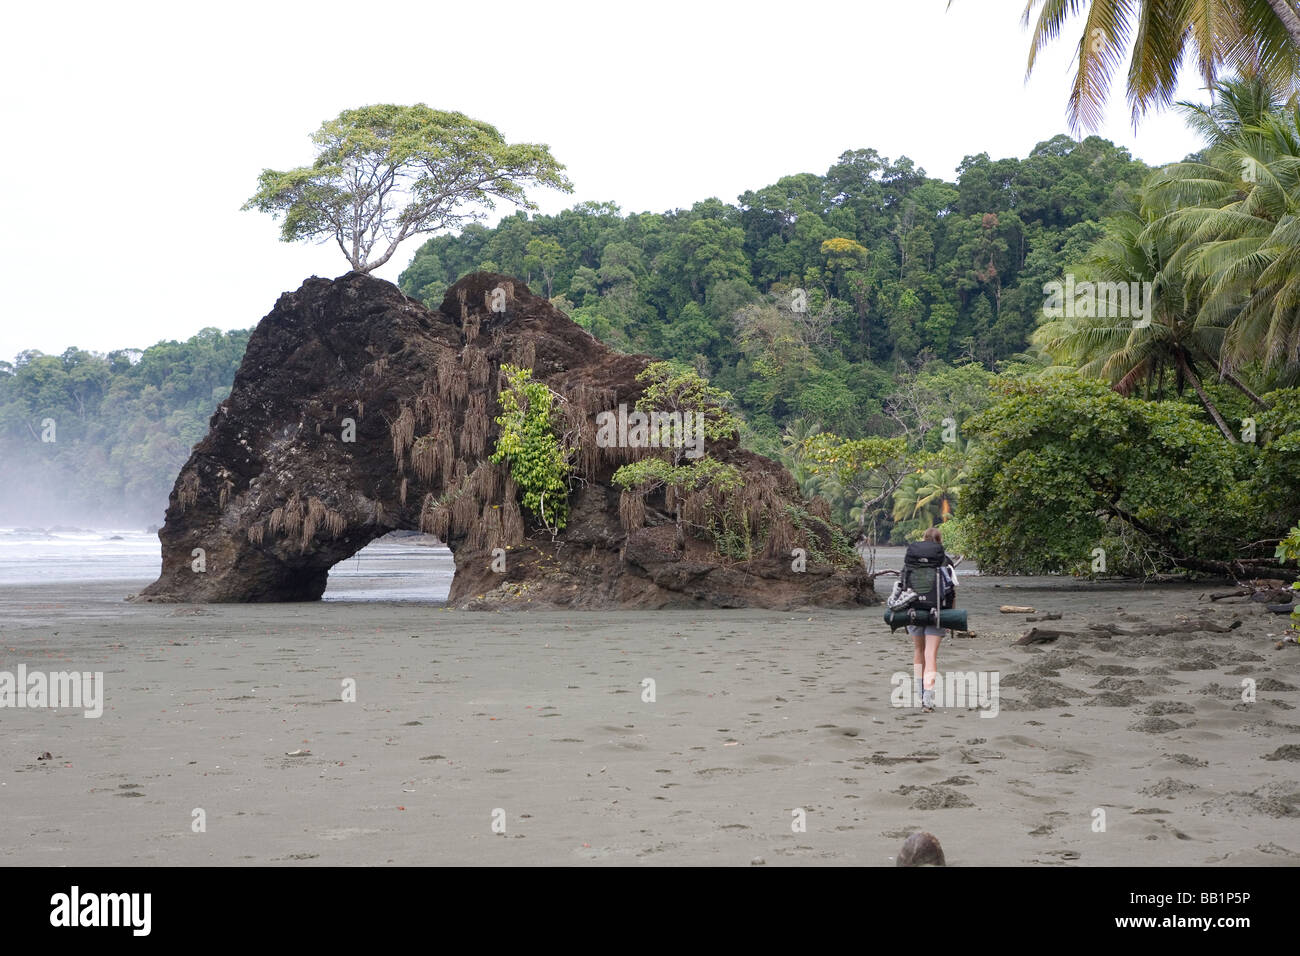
933	534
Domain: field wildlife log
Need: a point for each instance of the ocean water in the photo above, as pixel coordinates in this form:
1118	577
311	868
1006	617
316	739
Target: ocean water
390	569
406	569
35	557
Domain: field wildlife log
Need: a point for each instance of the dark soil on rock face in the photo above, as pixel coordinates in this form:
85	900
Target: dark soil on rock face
358	411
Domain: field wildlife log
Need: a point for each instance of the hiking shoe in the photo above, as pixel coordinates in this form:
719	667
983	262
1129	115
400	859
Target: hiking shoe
899	599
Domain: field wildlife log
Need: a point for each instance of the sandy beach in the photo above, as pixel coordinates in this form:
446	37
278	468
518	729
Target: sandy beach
538	722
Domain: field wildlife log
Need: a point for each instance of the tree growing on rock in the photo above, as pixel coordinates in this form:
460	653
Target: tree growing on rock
385	173
700	479
742	512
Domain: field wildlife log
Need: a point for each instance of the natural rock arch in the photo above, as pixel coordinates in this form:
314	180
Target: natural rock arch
358	411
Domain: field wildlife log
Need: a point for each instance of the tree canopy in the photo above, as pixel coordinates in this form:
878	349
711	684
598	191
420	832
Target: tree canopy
385	173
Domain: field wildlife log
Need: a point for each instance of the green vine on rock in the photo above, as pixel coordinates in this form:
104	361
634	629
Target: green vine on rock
539	462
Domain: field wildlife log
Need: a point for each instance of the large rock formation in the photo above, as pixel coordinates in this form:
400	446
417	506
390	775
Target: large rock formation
358	411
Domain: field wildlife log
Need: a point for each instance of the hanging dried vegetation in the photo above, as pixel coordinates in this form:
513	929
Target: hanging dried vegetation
188	489
403	433
435	517
631	510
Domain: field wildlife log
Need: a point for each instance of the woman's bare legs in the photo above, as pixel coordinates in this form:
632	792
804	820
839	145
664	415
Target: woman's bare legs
925	665
931	659
918	662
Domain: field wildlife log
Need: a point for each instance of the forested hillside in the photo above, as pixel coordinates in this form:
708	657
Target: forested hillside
87	438
895	267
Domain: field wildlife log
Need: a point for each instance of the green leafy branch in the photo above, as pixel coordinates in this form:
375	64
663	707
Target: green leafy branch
649	474
539	462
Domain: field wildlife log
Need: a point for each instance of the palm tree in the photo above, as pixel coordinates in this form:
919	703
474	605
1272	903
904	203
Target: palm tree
797	431
1237	103
907	500
1219	36
1235	216
1128	354
1285	11
940	486
929	494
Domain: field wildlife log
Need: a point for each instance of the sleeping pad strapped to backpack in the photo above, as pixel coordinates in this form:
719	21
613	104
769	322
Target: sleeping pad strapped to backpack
924	574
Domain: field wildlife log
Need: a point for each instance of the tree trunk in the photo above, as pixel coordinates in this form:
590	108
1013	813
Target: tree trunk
1231	570
1289	17
1042	635
1234	570
1195	379
1242	387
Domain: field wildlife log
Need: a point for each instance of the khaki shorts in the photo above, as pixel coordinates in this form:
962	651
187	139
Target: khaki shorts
917	630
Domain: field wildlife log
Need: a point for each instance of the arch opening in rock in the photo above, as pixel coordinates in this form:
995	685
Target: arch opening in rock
402	567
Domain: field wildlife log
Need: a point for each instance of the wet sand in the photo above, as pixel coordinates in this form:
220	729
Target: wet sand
538	721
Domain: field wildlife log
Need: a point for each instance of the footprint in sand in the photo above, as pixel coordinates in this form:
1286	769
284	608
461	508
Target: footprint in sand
773	760
1273	685
1155	725
1168	787
1110	670
1161	708
1113	698
1126	686
978	754
935	798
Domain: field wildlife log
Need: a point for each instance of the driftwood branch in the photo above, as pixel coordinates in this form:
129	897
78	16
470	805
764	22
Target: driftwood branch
1234	570
1178	627
1045	635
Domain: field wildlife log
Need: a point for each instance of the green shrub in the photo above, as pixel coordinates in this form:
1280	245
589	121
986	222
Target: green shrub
528	444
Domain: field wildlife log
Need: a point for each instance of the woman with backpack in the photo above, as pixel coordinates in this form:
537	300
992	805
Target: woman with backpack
922	556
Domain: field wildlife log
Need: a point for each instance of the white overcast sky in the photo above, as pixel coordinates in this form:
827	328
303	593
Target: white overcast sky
134	132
